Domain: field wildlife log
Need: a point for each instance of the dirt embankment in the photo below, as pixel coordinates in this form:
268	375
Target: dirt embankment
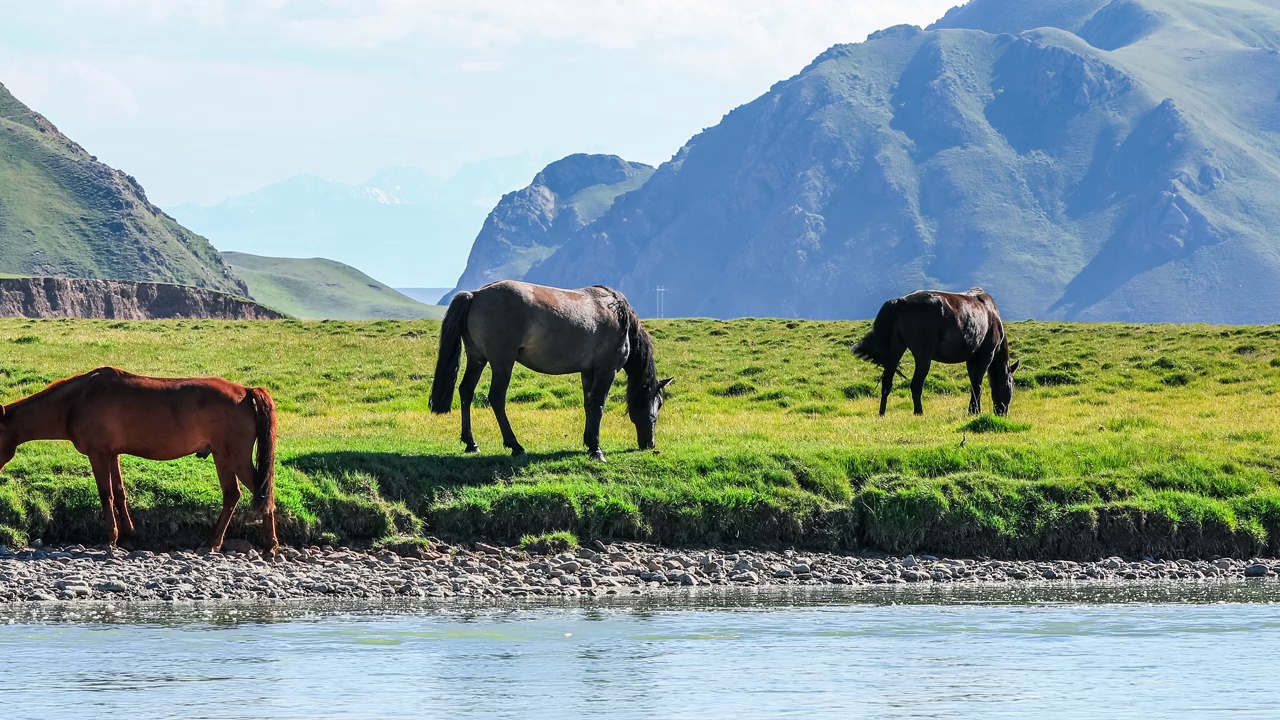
121	300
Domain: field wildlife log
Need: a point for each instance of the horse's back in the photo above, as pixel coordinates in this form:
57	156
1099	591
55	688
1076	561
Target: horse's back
551	330
956	324
159	418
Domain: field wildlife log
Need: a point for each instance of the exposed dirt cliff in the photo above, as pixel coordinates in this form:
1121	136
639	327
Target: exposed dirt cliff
117	299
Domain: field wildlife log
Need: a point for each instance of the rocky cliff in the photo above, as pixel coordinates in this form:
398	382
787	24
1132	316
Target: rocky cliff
528	225
1079	159
120	300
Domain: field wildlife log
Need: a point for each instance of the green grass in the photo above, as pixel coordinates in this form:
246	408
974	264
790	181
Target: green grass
319	289
1118	462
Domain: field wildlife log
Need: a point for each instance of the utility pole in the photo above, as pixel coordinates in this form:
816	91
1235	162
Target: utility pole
660	291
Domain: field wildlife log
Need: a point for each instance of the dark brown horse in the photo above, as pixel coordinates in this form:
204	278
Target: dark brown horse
592	331
107	413
947	328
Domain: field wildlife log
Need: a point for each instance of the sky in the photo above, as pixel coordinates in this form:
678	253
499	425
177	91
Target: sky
202	100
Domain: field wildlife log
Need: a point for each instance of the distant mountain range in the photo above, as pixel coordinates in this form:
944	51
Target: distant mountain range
403	226
1082	159
64	214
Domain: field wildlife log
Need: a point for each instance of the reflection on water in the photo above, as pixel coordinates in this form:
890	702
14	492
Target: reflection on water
1202	650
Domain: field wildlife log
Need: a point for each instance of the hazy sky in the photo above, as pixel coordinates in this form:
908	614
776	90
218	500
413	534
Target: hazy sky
202	100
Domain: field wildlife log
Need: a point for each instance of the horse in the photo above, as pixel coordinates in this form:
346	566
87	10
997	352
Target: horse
106	413
946	327
592	331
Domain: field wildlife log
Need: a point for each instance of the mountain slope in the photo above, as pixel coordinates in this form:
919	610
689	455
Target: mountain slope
1079	159
402	225
63	214
529	224
319	289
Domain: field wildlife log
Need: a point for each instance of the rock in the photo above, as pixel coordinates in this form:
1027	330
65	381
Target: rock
745	576
570	567
1256	570
687	579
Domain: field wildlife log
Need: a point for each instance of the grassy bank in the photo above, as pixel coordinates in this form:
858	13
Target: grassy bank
1123	439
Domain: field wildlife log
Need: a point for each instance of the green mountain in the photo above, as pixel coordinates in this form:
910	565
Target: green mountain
528	225
64	214
1079	159
319	289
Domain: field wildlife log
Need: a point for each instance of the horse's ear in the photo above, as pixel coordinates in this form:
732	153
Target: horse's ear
663	383
1014	367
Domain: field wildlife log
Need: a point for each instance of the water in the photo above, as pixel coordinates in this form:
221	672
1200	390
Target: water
1139	651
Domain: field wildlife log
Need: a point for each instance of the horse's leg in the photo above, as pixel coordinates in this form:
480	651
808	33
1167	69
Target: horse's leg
102	474
230	496
917	380
886	386
249	477
596	395
976	370
498	399
466	391
123	520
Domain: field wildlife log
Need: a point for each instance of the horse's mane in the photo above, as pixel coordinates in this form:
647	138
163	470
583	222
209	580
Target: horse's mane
642	372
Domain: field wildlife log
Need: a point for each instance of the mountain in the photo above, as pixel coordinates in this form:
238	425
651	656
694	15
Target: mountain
402	225
528	225
1082	159
64	214
319	289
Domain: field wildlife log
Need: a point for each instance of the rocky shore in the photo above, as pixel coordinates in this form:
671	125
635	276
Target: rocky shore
77	573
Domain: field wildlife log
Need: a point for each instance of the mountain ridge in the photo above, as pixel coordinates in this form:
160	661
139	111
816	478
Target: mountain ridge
63	213
1081	160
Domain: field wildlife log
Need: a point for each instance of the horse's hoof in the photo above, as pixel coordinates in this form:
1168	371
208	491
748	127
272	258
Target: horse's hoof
471	449
517	452
597	455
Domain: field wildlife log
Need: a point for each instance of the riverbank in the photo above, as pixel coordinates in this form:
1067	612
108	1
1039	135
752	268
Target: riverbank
77	573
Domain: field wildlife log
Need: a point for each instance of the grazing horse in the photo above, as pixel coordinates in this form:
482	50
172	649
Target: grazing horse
946	327
107	413
592	331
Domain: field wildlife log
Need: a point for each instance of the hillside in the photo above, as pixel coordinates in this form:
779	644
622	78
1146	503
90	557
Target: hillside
121	300
1079	159
528	225
319	289
1123	440
402	225
64	214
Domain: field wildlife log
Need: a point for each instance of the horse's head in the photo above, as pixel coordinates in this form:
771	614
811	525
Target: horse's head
645	414
8	444
1002	389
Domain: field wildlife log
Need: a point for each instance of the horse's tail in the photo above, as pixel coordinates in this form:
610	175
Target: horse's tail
877	346
455	322
264	409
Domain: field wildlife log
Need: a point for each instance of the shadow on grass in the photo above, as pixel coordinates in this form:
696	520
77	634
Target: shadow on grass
417	480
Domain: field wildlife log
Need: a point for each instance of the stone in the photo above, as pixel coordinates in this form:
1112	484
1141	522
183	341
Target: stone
1256	570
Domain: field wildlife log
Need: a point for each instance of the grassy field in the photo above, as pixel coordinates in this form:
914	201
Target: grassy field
319	289
1123	439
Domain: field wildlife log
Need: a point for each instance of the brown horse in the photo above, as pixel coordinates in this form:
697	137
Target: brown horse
946	327
107	413
592	331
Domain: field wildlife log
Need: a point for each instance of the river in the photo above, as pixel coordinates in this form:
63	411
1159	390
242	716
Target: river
1133	651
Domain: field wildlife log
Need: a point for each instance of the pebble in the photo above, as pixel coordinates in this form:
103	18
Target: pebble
71	574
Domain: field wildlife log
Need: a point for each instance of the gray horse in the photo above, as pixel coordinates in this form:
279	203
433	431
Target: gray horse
592	331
